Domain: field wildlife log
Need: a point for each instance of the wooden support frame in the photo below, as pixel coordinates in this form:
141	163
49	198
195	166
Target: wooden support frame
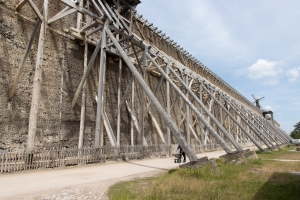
37	83
86	73
83	102
237	118
61	15
22	63
220	140
102	69
118	102
136	124
154	100
20	5
236	122
36	10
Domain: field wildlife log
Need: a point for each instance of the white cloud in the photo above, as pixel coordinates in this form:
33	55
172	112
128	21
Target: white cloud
264	68
293	74
272	82
269	108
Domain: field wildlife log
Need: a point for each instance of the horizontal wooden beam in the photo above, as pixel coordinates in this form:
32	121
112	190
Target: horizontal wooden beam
20	5
61	15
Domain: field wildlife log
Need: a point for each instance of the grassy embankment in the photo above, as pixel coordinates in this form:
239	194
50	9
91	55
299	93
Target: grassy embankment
262	178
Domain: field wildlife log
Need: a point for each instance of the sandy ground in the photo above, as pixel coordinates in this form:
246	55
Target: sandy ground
83	182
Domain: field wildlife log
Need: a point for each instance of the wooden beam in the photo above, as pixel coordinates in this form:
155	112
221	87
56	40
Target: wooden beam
86	73
140	30
195	110
136	123
83	101
109	130
132	108
20	5
94	31
36	10
160	109
79	16
61	15
156	125
21	66
97	8
149	102
142	95
112	14
80	9
105	11
88	26
37	84
118	102
126	91
195	134
168	103
187	121
101	83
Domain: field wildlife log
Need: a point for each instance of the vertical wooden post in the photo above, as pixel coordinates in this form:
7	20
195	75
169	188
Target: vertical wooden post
79	16
82	115
142	124
132	108
37	83
187	120
168	107
202	136
99	123
221	113
119	99
229	126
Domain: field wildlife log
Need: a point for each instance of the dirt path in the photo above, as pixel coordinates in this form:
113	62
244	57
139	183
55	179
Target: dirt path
83	182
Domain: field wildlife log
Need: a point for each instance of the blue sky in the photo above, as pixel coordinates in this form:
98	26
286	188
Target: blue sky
252	45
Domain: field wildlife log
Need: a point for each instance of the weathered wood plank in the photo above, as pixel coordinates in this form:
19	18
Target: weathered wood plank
101	88
20	5
83	101
36	10
61	15
37	83
118	103
21	66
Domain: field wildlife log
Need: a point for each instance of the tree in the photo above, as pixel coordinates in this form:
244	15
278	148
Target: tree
297	127
295	135
296	132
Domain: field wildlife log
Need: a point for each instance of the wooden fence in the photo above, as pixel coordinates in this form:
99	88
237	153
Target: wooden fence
20	160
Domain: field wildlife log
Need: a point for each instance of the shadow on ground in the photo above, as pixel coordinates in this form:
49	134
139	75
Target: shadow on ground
280	186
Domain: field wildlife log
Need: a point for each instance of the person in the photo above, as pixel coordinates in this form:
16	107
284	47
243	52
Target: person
182	153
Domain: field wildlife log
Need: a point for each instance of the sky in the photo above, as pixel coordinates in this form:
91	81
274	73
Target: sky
253	45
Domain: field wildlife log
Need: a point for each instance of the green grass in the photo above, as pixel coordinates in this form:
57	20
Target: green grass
252	179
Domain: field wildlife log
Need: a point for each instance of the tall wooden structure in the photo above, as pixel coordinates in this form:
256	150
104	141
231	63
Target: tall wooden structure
166	94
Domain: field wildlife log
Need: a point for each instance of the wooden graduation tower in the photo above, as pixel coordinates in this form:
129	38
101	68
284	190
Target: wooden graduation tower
101	75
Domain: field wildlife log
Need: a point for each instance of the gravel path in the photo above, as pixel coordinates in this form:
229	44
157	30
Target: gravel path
82	182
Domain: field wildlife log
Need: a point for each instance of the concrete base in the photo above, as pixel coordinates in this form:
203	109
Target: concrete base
199	163
267	150
274	148
250	154
233	156
214	168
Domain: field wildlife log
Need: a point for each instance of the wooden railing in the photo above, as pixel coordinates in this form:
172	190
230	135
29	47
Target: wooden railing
19	160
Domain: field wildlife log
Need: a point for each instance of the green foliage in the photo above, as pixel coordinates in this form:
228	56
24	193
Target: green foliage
295	134
297	127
